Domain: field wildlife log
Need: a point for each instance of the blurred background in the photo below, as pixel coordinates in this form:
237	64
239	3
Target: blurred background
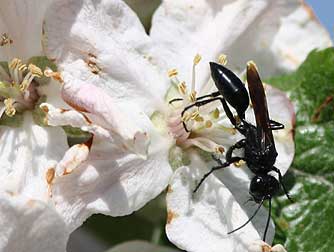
99	232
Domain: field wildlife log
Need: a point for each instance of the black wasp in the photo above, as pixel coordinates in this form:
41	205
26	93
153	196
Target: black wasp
259	146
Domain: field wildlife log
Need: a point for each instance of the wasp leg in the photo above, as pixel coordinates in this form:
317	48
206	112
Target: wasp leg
249	220
268	220
174	100
229	160
198	104
226	164
280	177
275	125
214	94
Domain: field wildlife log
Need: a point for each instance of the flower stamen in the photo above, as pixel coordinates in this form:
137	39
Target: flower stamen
9	105
5	40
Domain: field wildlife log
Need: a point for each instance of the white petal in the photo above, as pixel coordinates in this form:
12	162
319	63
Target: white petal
30	225
104	44
22	21
142	246
112	181
242	29
26	154
200	222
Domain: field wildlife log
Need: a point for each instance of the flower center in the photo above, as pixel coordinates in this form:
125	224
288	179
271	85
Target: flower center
193	125
17	87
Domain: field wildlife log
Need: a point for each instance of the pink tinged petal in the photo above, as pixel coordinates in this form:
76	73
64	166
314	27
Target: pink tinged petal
30	225
26	154
120	131
200	222
111	53
112	181
22	21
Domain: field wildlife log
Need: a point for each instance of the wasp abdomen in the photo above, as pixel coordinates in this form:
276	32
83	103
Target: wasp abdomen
230	87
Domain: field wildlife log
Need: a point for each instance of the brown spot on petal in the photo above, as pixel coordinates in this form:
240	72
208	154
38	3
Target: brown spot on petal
50	174
89	142
171	216
266	248
31	203
45	109
169	189
309	11
74	105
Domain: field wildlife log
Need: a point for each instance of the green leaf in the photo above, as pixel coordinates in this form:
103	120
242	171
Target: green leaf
306	225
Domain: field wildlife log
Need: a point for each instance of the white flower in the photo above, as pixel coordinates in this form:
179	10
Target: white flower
115	78
27	149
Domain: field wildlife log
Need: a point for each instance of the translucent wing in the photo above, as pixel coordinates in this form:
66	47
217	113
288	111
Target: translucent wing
259	102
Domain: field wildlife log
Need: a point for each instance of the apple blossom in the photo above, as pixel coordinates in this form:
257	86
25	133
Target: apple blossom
115	78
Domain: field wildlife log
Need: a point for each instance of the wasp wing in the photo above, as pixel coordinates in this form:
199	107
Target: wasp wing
259	102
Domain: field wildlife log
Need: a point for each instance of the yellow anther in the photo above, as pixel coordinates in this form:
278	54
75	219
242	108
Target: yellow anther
35	70
186	117
15	63
199	119
194	115
239	163
219	149
197	59
192	96
208	124
182	88
222	59
51	74
23	67
10	109
215	114
24	85
172	73
5	40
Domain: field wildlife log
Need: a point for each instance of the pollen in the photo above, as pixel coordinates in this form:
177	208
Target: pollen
35	71
54	75
197	59
5	40
208	124
219	149
215	114
15	63
239	163
172	73
182	88
9	105
192	96
222	59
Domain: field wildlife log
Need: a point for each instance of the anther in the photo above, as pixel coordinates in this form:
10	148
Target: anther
35	71
172	73
215	114
15	63
219	150
208	124
5	40
192	96
196	60
9	105
182	88
51	74
222	59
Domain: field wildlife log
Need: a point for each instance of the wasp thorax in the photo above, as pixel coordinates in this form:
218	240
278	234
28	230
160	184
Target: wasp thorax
263	187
